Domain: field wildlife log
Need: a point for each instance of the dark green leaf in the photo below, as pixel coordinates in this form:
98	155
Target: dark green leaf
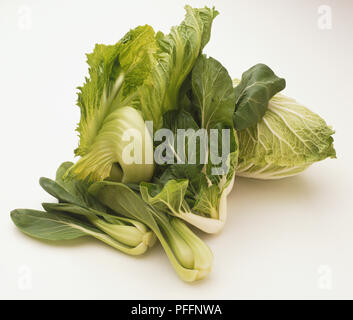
57	191
175	119
50	226
257	86
70	190
213	92
67	207
124	201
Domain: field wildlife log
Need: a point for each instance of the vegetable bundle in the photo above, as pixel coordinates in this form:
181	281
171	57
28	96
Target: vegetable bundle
163	132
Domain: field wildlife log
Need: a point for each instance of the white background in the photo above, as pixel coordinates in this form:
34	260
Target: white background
283	239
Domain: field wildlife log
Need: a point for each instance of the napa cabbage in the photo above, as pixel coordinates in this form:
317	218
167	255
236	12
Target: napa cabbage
284	137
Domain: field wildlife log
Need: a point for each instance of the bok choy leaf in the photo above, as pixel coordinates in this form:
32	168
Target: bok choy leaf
130	236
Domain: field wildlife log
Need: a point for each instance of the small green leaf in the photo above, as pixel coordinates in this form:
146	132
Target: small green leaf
169	200
71	191
57	191
208	201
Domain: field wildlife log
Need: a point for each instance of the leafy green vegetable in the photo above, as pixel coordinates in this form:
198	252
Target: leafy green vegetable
61	226
50	226
193	191
190	257
257	86
131	187
75	199
285	142
127	231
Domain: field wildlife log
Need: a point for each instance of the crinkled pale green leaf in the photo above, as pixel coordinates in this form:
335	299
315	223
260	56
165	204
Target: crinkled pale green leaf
257	86
194	175
287	140
169	199
132	58
208	201
180	49
107	102
176	55
213	93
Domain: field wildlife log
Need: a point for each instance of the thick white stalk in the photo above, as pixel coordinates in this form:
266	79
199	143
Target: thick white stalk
210	225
